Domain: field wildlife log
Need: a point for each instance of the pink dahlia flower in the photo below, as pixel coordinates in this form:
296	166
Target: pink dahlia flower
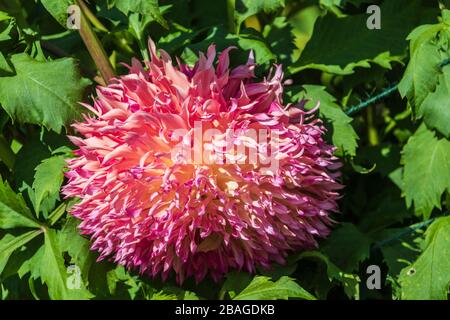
158	195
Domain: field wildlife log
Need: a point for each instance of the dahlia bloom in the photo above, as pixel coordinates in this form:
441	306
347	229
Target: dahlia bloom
157	196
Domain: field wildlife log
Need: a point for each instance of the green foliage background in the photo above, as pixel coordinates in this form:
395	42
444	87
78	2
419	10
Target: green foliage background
396	151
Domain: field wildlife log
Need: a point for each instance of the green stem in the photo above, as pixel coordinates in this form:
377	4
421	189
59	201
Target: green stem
57	213
91	17
94	46
222	293
144	50
231	6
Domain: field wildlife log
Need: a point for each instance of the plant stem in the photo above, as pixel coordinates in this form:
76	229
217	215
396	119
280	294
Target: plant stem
91	17
222	293
94	46
57	213
231	5
143	49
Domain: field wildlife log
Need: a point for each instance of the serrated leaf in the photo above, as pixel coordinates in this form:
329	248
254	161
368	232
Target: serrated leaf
14	212
436	106
429	277
47	182
21	256
222	39
144	7
247	8
399	247
262	288
10	243
54	273
428	48
330	4
347	247
235	282
173	293
426	174
281	39
58	9
32	265
343	135
31	154
350	282
43	93
403	244
76	246
339	45
5	34
5	67
121	275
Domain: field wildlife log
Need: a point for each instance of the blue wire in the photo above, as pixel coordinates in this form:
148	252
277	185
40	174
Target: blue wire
354	109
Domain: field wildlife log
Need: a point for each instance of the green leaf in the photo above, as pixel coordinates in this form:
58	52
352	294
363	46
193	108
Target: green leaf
399	247
343	135
14	212
56	214
426	175
429	277
76	245
47	182
5	34
347	247
246	41
435	108
428	48
10	243
28	158
32	265
58	9
383	210
173	293
331	5
54	273
339	45
350	282
5	67
262	288
121	276
235	282
44	93
4	16
279	36
249	41
247	8
144	7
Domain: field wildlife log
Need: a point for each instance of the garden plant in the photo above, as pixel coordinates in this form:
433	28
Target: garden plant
229	149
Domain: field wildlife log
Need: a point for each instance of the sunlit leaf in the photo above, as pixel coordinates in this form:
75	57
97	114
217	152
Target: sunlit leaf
262	288
429	276
44	93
